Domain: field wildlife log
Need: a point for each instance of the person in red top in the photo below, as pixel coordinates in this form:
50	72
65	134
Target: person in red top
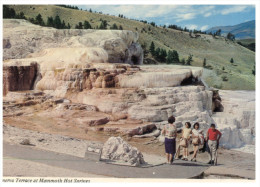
213	136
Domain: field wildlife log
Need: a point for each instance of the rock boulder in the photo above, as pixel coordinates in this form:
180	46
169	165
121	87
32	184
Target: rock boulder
116	149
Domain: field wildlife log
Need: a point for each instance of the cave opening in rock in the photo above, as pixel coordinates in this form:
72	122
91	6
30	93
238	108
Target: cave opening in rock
187	81
135	60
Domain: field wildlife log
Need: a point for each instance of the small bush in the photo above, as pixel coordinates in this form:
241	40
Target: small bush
224	78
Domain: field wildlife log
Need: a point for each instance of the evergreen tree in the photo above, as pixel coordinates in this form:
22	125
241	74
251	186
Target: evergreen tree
114	27
218	32
153	24
175	57
223	68
145	51
87	25
50	22
80	26
32	20
182	61
39	20
253	71
20	16
120	27
63	25
162	55
189	60
231	60
172	57
157	53
57	22
68	26
103	24
8	12
90	10
230	36
152	48
204	62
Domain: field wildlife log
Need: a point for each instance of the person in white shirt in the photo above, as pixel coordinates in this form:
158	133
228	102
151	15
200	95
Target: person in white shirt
197	139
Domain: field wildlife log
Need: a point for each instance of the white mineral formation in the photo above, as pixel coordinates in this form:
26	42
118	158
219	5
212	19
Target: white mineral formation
161	76
21	39
237	121
116	149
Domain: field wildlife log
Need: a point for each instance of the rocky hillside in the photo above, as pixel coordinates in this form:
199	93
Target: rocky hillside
217	51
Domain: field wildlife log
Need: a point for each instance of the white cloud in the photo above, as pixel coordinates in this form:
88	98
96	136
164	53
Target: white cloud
187	16
191	27
233	9
169	13
135	11
207	14
204	27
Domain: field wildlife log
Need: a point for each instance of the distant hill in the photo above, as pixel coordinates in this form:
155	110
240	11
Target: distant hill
244	30
217	51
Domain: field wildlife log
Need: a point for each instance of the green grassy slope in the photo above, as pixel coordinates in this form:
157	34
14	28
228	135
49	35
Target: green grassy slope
217	51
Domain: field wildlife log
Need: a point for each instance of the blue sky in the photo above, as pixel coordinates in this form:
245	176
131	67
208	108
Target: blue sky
200	17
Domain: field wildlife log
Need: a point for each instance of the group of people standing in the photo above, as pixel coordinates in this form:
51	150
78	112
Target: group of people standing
195	136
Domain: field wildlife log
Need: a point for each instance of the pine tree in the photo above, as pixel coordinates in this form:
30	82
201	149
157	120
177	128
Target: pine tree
204	62
189	60
162	55
63	25
57	22
152	48
39	20
87	25
218	32
182	61
145	51
8	12
80	26
50	22
157	53
230	36
253	71
172	57
114	27
231	60
103	24
20	16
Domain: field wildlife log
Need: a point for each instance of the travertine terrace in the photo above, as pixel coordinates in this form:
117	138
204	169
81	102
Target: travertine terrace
94	80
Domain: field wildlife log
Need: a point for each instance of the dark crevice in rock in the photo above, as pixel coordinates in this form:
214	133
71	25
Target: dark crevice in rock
135	60
216	102
191	81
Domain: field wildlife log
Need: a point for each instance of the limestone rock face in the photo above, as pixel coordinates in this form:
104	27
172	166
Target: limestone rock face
237	121
116	149
18	78
22	38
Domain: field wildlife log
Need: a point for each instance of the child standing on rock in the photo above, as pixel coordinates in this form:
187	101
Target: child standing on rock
197	139
184	143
